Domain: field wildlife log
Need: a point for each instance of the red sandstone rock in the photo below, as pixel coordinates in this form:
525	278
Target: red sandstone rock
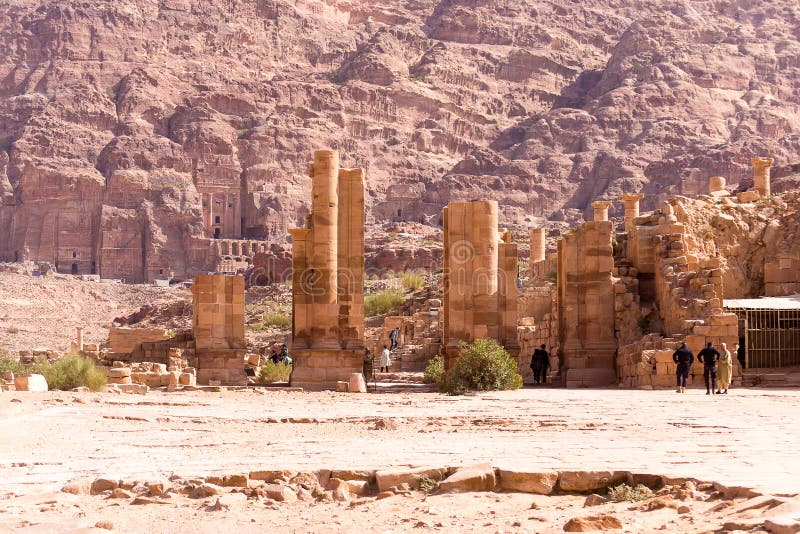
126	135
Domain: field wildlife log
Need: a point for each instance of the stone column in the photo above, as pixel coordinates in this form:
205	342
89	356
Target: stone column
716	184
324	236
538	242
351	257
761	175
482	229
79	338
631	207
601	210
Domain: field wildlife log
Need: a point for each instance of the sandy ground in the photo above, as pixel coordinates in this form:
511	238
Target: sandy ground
42	312
747	438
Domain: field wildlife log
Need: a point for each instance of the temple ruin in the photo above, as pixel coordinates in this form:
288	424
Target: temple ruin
328	277
613	306
479	279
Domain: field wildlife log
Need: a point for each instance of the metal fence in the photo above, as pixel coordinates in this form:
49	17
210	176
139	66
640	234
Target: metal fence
772	337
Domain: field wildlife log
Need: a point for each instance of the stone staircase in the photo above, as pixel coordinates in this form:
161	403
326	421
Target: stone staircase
399	382
785	377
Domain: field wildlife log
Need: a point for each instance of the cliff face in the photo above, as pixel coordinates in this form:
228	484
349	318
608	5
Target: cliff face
135	132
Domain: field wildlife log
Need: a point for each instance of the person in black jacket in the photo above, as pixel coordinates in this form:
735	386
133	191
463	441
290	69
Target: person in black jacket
684	358
741	353
709	357
540	364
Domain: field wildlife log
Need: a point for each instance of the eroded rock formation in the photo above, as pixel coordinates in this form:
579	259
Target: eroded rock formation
133	133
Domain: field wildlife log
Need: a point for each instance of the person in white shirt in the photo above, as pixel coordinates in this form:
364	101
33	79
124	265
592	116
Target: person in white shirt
385	360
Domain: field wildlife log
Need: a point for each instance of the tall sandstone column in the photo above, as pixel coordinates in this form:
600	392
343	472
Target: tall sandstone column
325	236
328	278
480	272
761	176
538	243
631	201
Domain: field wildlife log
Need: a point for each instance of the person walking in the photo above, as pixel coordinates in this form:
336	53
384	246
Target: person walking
724	370
385	360
709	357
393	337
536	365
684	359
544	360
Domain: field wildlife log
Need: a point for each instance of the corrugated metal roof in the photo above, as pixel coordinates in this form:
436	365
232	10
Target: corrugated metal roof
764	303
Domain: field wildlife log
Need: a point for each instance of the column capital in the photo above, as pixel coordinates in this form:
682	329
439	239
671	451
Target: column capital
762	162
631	197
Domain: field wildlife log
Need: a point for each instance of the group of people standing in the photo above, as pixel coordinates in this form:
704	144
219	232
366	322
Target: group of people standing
717	367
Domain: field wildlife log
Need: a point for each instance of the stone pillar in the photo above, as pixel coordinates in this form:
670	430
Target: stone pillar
538	242
328	278
761	176
631	207
324	256
79	338
716	184
351	257
480	277
601	210
218	326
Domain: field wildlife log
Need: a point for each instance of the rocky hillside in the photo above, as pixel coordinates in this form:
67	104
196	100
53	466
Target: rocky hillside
115	111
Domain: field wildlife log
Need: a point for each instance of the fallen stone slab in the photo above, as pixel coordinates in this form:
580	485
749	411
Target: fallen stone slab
473	478
389	478
590	481
541	483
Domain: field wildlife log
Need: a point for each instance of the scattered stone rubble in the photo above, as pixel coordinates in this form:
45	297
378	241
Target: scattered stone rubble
745	509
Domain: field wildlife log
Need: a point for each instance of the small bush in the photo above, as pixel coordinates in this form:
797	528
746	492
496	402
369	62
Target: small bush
625	493
412	280
10	364
274	372
277	320
73	371
482	365
427	484
12	330
434	371
383	302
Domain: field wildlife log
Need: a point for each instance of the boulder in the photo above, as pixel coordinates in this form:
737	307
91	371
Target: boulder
206	490
592	523
594	500
279	492
104	484
30	383
528	482
473	478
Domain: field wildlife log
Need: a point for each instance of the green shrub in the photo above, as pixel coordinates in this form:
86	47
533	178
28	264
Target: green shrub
277	320
482	365
274	372
412	280
434	371
625	493
8	363
73	371
383	302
